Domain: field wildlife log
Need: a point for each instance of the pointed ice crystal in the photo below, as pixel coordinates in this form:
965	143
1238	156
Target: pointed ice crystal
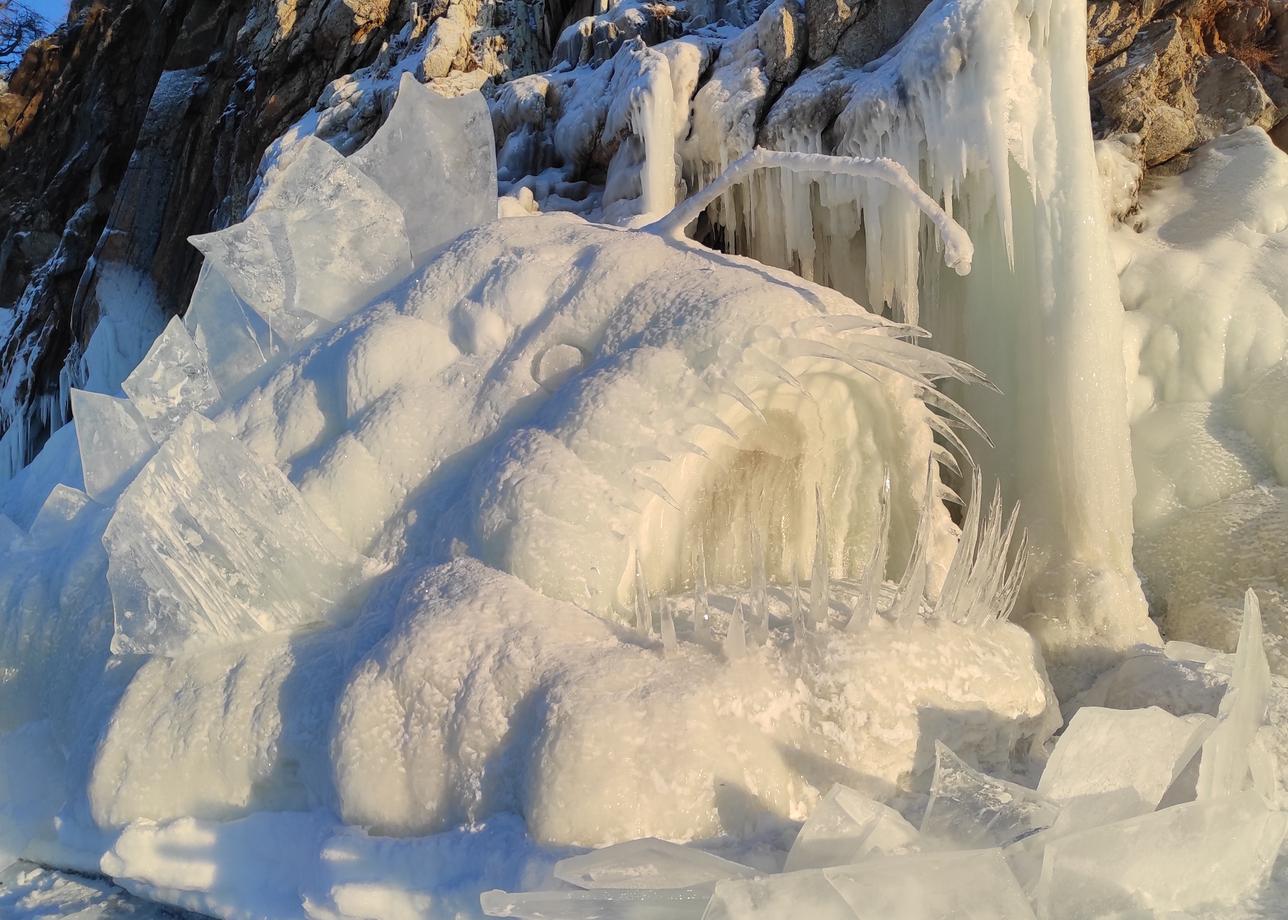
209	545
603	904
1141	751
874	574
818	600
113	439
1225	768
436	157
643	605
667	626
735	640
237	341
172	380
1177	859
969	810
647	863
912	587
701	599
846	827
759	589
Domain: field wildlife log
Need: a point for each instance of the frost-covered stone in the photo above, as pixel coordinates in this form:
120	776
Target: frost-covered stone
969	810
172	380
847	827
208	545
114	442
647	863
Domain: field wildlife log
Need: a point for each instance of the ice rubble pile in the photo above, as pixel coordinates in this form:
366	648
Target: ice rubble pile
1136	810
241	590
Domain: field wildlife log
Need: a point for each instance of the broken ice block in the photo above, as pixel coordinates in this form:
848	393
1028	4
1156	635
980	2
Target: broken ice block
113	439
604	904
1178	859
322	240
647	863
235	339
210	545
775	897
846	827
968	809
61	509
1108	750
436	157
1226	767
939	886
172	380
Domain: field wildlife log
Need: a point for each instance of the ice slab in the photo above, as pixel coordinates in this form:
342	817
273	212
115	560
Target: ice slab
113	439
846	827
939	886
172	380
1178	859
449	185
61	509
210	545
1104	751
970	810
774	897
322	241
604	904
647	863
1229	762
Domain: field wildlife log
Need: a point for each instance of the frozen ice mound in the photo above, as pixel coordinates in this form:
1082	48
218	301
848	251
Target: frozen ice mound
208	545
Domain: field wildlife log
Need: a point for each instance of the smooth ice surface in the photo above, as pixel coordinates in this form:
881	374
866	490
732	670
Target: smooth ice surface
846	827
1141	751
114	442
172	380
1176	859
452	138
968	809
647	863
209	545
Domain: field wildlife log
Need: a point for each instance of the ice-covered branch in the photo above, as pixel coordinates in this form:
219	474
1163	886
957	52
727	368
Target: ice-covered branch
958	248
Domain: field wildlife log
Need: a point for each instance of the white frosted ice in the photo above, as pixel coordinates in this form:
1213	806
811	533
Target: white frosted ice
647	863
449	186
114	442
172	380
847	827
210	545
970	810
1111	751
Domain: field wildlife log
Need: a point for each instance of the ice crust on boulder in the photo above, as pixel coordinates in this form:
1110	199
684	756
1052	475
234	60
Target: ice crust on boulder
172	380
969	810
647	863
208	545
847	827
114	442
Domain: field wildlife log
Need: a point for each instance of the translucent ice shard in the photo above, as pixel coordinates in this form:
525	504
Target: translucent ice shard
61	509
322	241
818	586
172	380
846	827
113	439
647	863
1226	765
603	904
774	897
436	157
236	340
1105	751
209	545
968	809
1177	859
939	886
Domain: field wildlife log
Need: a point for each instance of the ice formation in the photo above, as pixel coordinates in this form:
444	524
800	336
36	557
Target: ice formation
431	550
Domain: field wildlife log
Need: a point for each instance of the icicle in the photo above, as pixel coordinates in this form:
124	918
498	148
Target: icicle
729	388
701	599
776	369
652	485
874	573
643	609
809	348
912	587
759	590
798	616
708	419
964	558
818	602
735	641
669	644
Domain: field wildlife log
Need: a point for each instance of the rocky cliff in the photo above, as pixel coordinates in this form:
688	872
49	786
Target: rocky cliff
141	122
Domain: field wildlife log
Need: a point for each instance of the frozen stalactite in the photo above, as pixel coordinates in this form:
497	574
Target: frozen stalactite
667	627
643	604
912	587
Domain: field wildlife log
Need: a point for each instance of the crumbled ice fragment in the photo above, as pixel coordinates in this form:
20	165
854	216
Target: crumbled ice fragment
1177	859
322	241
968	809
939	886
647	863
603	904
209	545
1107	750
846	827
172	380
449	185
1226	766
113	439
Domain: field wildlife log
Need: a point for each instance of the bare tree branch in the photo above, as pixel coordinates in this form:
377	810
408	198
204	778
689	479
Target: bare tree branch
20	25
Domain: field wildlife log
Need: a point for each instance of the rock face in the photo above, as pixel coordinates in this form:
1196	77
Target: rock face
140	123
